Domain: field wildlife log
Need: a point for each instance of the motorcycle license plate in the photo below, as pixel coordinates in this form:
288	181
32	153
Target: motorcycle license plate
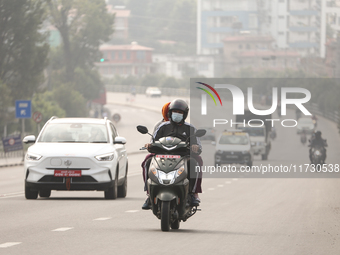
168	156
67	173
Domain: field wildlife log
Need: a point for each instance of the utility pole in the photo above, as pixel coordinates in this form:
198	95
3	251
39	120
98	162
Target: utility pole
337	61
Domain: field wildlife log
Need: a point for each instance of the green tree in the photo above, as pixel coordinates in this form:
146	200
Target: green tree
45	104
23	48
70	100
83	26
5	102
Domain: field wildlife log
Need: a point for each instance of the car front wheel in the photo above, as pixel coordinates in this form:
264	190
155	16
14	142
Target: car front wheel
112	192
30	194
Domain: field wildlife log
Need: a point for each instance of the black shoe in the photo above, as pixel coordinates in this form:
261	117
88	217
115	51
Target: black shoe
194	200
147	204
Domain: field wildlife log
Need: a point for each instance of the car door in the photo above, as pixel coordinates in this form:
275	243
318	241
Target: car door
121	151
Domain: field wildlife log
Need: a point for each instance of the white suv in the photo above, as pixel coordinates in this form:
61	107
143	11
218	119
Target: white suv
153	92
76	154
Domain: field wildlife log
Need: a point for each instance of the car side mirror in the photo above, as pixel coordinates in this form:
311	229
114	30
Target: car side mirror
29	139
119	140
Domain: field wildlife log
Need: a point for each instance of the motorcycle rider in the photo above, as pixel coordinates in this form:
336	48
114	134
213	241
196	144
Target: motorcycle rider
318	141
177	127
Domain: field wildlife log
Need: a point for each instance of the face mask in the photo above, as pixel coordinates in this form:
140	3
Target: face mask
176	117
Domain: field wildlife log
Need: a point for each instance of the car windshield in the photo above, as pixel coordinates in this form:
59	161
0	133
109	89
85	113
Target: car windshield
233	139
74	133
254	131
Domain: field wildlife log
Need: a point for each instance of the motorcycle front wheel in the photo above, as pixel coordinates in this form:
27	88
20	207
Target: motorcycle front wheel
165	216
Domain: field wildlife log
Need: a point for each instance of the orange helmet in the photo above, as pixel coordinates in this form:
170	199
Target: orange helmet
165	111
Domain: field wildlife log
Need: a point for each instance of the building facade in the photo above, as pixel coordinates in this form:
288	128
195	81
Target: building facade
125	60
294	24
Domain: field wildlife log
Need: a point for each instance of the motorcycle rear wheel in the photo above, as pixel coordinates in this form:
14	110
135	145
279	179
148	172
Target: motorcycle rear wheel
165	216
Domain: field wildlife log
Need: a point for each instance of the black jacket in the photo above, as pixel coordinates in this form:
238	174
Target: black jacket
181	131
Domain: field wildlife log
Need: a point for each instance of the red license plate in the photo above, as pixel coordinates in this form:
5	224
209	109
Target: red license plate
67	173
168	156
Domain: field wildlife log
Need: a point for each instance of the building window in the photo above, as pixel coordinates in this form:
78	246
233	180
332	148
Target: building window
104	54
281	17
141	55
120	55
128	55
248	46
240	46
281	33
112	55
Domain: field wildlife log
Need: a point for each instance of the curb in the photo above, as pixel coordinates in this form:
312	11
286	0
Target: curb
14	164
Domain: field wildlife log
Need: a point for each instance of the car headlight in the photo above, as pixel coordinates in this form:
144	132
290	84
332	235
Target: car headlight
219	151
245	152
253	143
33	157
105	157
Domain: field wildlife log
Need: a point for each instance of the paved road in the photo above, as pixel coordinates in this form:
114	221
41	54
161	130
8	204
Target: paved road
239	216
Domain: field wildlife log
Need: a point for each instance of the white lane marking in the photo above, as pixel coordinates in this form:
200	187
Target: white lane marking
235	179
132	211
227	182
9	195
9	244
62	229
211	189
220	185
107	218
134	174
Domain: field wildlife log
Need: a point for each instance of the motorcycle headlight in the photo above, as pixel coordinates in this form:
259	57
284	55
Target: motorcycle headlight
33	157
317	152
167	178
105	157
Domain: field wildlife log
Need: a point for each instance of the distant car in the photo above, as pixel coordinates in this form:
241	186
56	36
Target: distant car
234	147
258	140
76	154
305	124
153	92
209	135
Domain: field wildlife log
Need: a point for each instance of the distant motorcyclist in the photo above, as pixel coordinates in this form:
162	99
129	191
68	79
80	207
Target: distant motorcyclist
177	127
315	120
318	142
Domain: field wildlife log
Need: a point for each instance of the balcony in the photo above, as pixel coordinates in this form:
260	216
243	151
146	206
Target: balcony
305	29
303	45
304	13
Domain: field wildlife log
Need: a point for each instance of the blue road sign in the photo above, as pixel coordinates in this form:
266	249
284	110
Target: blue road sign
23	109
12	143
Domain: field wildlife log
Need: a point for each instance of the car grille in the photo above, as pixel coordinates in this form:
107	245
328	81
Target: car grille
51	178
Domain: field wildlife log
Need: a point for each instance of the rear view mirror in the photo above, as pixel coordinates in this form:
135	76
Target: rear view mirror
142	129
200	132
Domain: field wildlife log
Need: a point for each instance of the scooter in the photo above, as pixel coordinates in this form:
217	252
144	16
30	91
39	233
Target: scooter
168	184
318	157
